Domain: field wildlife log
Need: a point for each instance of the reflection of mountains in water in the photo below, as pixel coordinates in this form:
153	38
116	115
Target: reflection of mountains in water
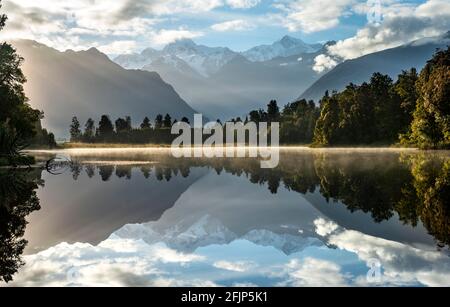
89	210
371	192
222	209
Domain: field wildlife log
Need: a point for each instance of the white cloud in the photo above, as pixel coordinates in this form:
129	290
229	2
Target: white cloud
401	264
314	15
115	262
243	4
314	273
401	24
323	62
238	266
233	25
163	37
324	228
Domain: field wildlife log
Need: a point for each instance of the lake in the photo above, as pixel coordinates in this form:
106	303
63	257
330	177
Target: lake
139	217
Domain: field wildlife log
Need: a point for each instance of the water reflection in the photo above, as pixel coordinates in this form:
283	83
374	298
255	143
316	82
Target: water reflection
17	200
318	219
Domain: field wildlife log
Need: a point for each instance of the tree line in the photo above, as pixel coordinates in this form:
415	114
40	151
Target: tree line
122	130
413	111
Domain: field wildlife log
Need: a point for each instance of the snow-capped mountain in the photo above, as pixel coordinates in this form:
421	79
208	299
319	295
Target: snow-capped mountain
208	231
222	83
138	60
204	60
209	60
285	47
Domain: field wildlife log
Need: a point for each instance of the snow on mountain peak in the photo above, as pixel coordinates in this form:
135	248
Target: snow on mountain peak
209	60
285	47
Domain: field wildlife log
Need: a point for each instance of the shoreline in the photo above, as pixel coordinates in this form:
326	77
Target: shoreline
283	148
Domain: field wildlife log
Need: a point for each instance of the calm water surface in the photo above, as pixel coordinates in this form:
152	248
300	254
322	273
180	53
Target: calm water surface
139	217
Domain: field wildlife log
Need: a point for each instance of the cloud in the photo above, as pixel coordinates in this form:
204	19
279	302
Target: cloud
401	264
314	15
163	37
233	25
64	24
324	228
238	266
243	4
314	273
323	62
401	24
115	262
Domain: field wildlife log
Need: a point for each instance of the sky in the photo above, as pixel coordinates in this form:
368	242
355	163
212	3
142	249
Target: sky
127	26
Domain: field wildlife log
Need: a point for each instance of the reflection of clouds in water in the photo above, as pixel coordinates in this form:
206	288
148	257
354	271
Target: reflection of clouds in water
401	264
324	228
239	266
314	273
115	262
132	262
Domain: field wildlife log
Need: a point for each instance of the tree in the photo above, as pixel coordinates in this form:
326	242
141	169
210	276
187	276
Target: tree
255	116
18	199
146	125
105	128
273	111
75	132
14	108
89	129
406	89
123	125
325	133
185	120
431	124
167	123
298	121
158	122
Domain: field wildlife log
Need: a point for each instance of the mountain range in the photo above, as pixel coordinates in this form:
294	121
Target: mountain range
390	62
222	83
88	84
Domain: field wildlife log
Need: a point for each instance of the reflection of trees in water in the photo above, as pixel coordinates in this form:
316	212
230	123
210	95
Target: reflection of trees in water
432	186
372	184
106	172
416	187
17	200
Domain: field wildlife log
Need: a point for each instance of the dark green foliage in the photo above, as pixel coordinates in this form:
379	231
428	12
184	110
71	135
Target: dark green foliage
146	125
75	132
167	123
17	200
158	122
105	128
372	113
431	124
414	109
273	111
89	130
11	145
122	132
298	121
406	89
